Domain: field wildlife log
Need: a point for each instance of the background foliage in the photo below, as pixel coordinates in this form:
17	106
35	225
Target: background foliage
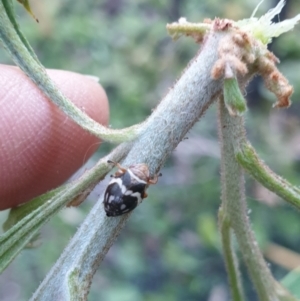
170	248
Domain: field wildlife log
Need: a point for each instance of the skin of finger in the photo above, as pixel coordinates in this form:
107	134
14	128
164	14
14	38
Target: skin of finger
40	147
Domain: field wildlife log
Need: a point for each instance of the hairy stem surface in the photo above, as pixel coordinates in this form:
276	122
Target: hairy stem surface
249	160
230	258
21	53
165	128
235	209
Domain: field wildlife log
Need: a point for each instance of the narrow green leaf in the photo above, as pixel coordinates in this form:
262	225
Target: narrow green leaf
18	213
23	55
9	9
26	5
234	100
250	161
24	224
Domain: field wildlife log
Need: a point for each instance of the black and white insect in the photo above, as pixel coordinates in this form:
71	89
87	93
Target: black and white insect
127	188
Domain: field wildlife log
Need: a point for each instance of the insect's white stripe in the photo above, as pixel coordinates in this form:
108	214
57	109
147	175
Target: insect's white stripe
119	182
135	177
138	196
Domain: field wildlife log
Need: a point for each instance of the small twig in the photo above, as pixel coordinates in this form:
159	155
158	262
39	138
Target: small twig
22	56
249	160
13	241
235	209
231	261
184	28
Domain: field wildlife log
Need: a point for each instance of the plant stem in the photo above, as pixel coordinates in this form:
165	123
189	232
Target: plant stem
230	258
14	240
249	160
10	13
22	55
196	30
166	128
235	209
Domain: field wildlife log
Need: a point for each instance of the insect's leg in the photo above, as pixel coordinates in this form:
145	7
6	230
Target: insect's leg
123	169
154	179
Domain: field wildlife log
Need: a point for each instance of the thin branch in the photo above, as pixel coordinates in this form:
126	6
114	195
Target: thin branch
20	52
166	127
44	207
235	209
231	261
184	28
249	160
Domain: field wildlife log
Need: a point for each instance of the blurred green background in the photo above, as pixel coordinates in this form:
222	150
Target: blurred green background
170	248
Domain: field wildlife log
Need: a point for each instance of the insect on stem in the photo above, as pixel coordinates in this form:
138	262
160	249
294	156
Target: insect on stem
127	188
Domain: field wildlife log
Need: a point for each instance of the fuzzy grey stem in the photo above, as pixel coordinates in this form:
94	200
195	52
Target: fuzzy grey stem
71	276
234	204
230	258
234	208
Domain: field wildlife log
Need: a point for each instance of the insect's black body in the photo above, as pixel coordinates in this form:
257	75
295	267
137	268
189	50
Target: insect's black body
127	189
123	194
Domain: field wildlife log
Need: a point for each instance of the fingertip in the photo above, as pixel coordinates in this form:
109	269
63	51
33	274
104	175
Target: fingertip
85	92
41	147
